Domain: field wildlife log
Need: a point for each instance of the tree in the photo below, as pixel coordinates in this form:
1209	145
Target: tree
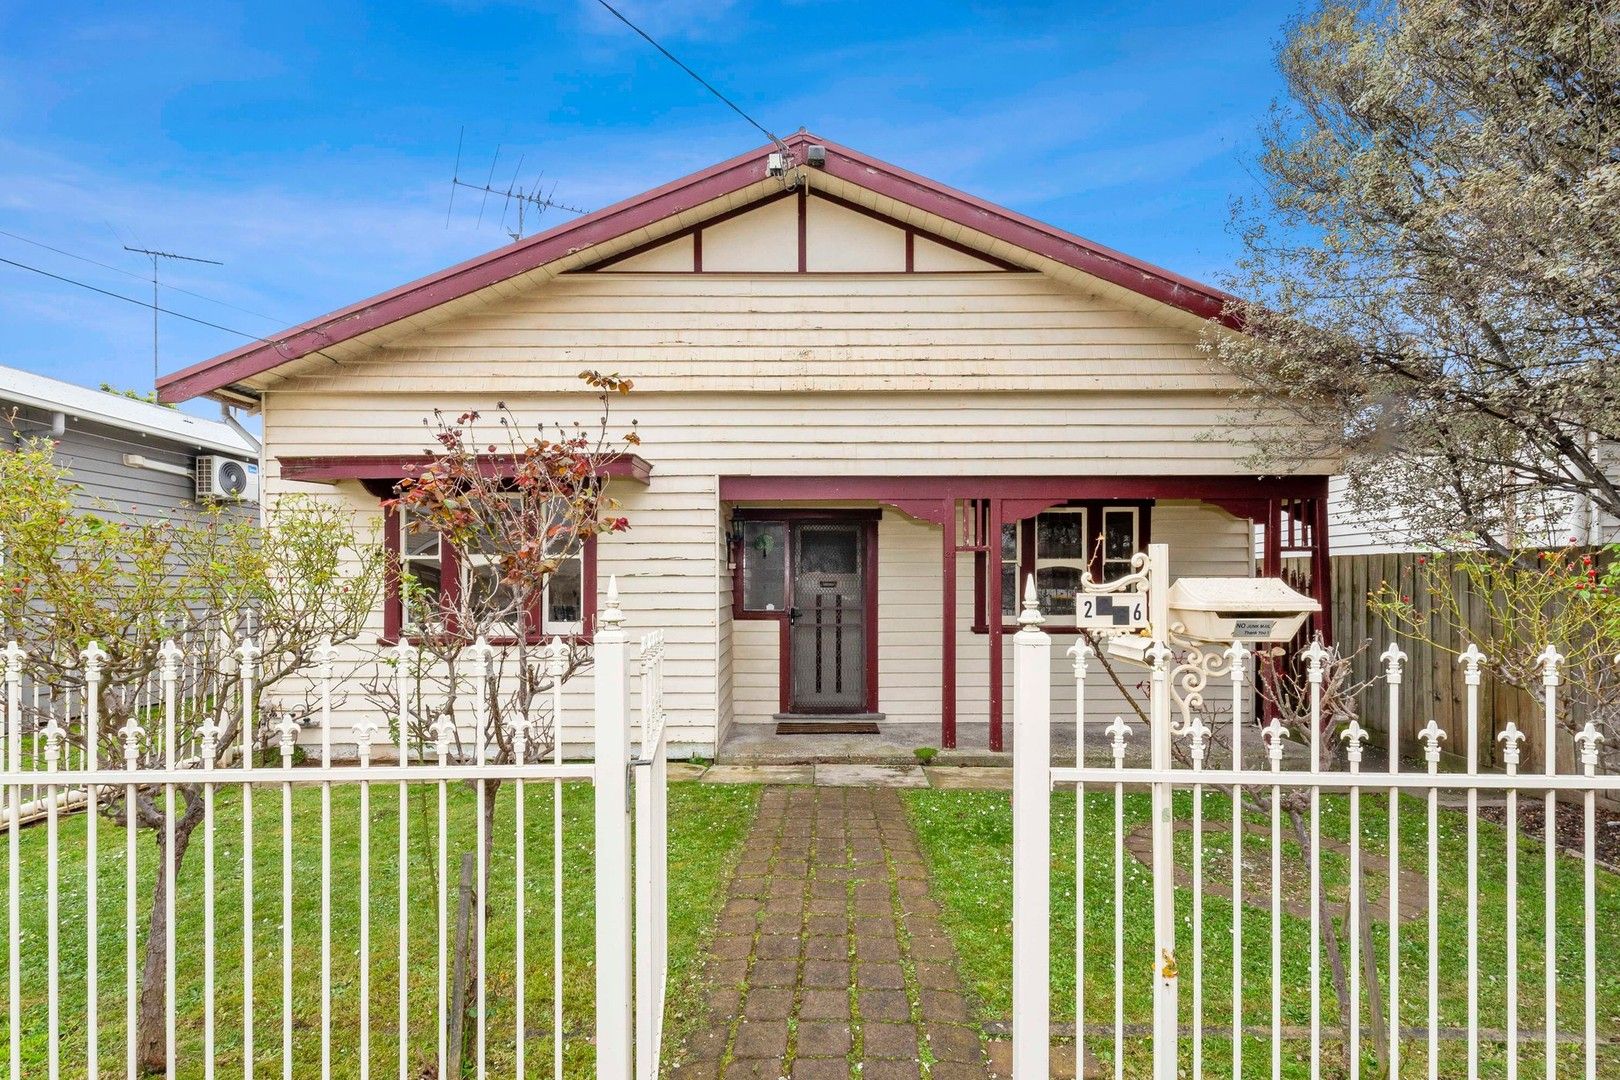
517	506
1431	278
202	579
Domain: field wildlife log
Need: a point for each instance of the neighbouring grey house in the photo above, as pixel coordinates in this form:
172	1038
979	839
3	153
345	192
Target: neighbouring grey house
143	460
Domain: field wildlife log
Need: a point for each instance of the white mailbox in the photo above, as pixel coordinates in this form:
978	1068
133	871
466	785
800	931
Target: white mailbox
1238	609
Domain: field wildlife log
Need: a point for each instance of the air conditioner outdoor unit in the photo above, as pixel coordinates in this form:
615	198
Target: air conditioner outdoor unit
227	478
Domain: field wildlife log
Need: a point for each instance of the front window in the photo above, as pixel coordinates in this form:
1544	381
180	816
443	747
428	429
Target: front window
437	579
421	565
764	565
1057	547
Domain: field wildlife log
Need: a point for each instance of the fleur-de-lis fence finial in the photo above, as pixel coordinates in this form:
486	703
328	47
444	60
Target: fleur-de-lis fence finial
1432	736
1550	660
1237	659
325	657
556	657
1587	739
1159	655
208	734
1274	735
95	660
14	654
1081	653
1394	660
1118	732
481	651
287	732
169	657
1198	734
132	734
1510	738
1355	740
1472	661
1316	656
364	731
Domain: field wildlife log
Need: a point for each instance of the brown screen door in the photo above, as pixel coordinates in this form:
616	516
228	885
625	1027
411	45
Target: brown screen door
827	621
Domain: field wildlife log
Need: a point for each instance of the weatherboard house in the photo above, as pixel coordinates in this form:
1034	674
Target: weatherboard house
869	406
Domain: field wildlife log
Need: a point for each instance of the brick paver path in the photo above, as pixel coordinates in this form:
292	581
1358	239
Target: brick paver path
830	960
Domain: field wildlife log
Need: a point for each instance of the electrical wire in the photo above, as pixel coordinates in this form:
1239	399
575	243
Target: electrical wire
140	277
732	105
276	345
132	300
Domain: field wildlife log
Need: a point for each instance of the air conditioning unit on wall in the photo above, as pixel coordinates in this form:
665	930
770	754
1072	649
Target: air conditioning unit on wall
227	479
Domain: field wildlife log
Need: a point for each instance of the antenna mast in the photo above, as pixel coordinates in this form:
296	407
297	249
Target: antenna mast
155	256
513	193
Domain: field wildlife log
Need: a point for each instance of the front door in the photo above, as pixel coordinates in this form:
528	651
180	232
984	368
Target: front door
827	620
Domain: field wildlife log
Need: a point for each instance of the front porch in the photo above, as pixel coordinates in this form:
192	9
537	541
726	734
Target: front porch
868	599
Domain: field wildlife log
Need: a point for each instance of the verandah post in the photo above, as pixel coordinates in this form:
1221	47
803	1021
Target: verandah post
612	778
1032	838
947	629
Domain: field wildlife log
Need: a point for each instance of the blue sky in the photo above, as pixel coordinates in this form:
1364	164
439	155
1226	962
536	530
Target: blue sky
309	146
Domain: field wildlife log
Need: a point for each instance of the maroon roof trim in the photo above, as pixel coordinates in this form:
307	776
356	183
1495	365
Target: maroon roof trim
887	489
397	466
663	202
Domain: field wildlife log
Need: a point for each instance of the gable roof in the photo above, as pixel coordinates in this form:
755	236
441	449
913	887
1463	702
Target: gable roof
625	218
118	411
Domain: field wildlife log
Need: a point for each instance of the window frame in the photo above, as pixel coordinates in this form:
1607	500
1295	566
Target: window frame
1095	562
452	581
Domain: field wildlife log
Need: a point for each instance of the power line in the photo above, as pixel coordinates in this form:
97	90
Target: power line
137	303
139	277
732	105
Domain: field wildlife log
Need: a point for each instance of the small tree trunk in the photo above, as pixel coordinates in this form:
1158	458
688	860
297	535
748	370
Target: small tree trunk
1375	994
466	966
150	1034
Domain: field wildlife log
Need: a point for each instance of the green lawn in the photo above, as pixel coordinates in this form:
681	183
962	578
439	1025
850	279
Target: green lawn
967	839
707	824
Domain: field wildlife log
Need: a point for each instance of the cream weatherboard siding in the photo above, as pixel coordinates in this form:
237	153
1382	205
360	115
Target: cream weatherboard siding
819	374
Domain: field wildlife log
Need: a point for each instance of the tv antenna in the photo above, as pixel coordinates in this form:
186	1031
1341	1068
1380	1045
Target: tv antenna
155	256
536	199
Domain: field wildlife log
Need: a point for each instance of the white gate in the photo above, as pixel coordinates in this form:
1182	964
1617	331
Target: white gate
1178	674
403	1029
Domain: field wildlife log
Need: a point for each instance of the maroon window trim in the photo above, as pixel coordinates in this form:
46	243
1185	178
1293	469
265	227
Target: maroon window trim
867	517
450	571
1026	556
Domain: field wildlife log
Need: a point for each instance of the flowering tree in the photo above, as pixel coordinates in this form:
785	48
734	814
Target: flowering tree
517	505
82	589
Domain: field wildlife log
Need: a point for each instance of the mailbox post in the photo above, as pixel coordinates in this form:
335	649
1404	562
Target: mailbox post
1190	614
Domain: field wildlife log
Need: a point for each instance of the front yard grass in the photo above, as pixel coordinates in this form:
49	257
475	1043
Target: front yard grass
967	841
707	823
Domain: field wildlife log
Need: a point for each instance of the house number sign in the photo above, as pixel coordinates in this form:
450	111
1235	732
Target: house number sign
1111	611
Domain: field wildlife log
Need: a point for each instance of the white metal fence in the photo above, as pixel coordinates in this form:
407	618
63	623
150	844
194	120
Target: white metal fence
347	870
1275	1021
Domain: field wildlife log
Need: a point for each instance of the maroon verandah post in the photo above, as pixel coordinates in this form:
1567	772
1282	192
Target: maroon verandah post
947	630
993	621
